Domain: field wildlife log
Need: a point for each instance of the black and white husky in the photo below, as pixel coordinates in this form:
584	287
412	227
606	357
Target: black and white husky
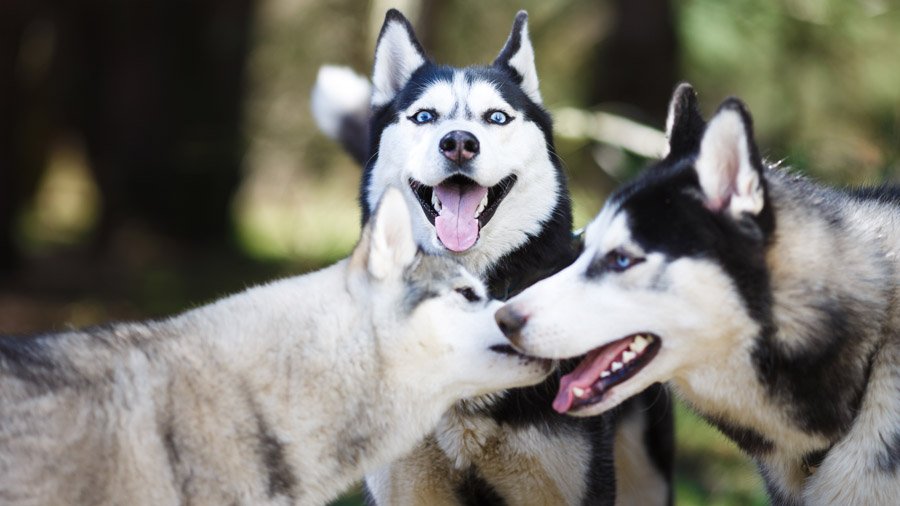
770	303
473	148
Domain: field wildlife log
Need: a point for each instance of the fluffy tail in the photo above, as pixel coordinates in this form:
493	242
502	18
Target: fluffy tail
340	105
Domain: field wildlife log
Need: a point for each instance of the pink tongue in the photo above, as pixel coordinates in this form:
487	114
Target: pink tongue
456	226
587	373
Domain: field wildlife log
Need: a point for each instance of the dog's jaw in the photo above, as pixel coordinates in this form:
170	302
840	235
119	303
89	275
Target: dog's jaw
469	206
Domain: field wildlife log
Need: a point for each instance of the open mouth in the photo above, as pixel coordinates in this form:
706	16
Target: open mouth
603	369
458	207
505	349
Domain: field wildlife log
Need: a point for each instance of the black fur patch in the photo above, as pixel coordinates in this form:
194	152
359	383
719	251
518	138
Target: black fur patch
423	278
748	440
659	436
513	44
31	359
888	460
281	477
687	123
473	490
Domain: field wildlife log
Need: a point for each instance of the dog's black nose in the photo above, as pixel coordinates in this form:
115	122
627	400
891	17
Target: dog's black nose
459	146
510	322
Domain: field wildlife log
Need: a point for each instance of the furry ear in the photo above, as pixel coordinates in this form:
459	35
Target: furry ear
728	166
517	56
684	125
397	55
391	244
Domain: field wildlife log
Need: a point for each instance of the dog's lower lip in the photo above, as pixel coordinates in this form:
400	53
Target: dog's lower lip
506	349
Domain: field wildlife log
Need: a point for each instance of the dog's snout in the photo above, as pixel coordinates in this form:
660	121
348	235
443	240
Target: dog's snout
510	322
459	146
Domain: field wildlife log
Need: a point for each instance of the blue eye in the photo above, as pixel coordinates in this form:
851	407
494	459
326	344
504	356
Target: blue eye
423	116
498	117
620	261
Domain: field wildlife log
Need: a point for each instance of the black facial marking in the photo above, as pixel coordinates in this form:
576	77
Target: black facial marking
281	477
424	277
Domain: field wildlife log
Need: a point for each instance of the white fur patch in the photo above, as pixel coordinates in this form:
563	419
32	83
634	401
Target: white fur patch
393	247
396	58
523	63
726	172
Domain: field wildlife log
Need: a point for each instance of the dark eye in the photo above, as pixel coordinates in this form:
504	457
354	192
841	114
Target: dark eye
423	116
469	294
619	261
497	117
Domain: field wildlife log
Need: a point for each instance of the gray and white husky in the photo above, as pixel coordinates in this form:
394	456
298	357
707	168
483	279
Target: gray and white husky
473	150
770	303
284	394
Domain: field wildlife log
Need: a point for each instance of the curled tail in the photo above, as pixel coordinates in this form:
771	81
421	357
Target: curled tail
340	105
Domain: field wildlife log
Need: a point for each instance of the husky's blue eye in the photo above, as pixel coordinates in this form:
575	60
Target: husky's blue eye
497	117
423	116
619	261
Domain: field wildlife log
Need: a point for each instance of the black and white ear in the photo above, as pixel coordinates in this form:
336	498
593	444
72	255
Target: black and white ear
391	244
728	166
517	56
397	55
684	124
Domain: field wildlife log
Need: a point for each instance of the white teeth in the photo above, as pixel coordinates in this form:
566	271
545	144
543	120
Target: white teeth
435	202
616	366
605	374
577	391
628	356
481	206
639	344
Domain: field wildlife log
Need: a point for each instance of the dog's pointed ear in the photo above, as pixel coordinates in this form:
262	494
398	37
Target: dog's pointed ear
517	57
397	55
728	165
391	245
684	124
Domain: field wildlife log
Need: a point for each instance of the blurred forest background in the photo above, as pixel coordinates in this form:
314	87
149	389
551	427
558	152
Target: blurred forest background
155	154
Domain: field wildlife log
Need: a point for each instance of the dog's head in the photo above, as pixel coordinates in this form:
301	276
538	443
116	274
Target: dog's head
471	147
433	321
673	275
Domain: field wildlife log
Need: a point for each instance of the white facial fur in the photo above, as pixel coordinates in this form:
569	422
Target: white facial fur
444	344
409	150
569	314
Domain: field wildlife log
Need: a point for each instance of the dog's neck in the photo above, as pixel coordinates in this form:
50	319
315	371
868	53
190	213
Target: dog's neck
790	387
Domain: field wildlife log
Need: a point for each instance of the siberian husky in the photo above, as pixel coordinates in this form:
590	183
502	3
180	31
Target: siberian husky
771	304
284	394
473	149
